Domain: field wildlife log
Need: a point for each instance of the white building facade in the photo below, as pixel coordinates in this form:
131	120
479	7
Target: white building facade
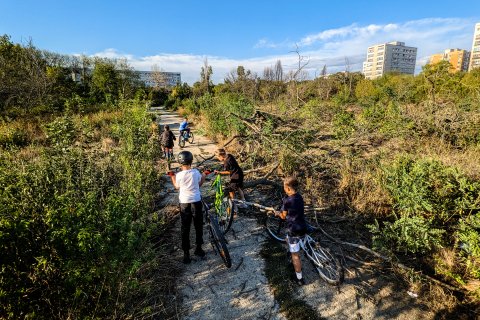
475	53
171	78
389	57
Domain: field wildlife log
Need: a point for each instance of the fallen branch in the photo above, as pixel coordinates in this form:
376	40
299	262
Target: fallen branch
233	138
389	259
254	183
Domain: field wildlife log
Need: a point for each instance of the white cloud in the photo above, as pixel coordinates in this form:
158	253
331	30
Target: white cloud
330	47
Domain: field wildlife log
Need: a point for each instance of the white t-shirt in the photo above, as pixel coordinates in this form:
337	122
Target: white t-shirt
188	183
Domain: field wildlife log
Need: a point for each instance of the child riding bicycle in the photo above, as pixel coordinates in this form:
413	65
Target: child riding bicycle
231	167
293	211
183	127
189	182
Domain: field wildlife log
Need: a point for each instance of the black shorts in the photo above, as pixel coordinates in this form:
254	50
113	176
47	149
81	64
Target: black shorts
234	185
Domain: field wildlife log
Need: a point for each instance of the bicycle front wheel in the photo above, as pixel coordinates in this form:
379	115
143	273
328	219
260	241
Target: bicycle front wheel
190	137
225	216
276	228
326	264
219	241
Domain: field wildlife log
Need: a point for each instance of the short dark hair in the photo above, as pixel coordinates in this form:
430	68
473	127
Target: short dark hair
221	152
167	127
291	182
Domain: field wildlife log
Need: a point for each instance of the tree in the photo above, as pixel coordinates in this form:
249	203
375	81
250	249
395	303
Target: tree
158	77
206	83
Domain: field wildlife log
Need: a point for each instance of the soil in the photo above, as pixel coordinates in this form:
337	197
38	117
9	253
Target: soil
206	289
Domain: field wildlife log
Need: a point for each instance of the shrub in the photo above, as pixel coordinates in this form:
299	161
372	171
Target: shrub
344	124
407	234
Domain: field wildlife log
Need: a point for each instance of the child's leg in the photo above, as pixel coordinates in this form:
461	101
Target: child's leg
297	263
198	222
186	216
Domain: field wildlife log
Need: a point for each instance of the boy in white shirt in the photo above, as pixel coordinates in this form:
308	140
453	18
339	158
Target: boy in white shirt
189	181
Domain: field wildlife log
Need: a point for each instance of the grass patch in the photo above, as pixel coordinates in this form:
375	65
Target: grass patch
284	291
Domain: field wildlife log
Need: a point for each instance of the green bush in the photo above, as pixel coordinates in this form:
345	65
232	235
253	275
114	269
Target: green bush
407	234
74	226
343	124
428	188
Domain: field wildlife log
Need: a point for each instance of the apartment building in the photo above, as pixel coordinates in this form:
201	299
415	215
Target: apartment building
458	58
171	78
389	57
475	53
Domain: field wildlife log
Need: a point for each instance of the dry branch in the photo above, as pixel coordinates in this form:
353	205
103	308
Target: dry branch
388	259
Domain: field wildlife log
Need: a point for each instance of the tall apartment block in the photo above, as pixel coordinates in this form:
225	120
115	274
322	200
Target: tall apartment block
475	54
389	57
458	59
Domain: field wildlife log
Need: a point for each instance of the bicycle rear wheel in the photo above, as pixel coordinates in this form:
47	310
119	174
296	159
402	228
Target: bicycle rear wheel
276	228
181	142
190	137
225	216
326	264
219	241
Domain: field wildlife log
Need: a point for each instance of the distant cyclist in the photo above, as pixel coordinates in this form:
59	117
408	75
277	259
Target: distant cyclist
183	127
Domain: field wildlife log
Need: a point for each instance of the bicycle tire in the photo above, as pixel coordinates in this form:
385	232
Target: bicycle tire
326	264
181	142
190	137
276	228
225	215
219	241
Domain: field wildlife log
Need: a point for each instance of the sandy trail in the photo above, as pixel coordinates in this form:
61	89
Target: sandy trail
208	290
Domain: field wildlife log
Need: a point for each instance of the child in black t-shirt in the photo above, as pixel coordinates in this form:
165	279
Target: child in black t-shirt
293	211
231	167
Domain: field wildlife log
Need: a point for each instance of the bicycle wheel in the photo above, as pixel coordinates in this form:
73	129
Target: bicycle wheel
219	241
190	137
181	142
276	228
327	265
225	216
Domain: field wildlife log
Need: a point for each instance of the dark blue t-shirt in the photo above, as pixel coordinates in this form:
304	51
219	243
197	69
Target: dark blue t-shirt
294	206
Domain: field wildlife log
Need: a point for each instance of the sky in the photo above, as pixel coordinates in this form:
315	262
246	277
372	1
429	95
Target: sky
178	36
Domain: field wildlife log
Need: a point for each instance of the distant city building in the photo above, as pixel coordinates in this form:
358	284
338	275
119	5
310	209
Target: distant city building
389	57
171	78
458	59
475	53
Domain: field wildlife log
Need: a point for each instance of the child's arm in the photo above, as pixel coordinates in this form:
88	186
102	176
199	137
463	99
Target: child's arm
202	180
281	214
174	180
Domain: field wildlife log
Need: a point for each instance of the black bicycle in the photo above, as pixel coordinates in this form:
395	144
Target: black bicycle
217	239
326	264
187	135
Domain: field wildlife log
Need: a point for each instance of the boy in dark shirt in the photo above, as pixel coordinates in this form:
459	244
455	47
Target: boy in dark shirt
231	167
166	140
293	211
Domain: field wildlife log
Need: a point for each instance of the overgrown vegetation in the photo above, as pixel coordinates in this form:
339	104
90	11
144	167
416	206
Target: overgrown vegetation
403	150
77	189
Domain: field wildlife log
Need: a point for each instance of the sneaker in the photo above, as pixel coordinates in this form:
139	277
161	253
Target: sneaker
199	252
298	282
186	258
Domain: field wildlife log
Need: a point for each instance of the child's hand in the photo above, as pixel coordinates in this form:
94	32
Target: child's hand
276	213
216	171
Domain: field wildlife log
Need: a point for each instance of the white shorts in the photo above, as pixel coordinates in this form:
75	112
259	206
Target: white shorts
293	243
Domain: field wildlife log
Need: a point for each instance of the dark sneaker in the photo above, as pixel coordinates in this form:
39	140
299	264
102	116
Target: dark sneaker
298	282
199	252
186	258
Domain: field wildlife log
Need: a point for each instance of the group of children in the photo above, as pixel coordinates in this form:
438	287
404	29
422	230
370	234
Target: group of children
189	181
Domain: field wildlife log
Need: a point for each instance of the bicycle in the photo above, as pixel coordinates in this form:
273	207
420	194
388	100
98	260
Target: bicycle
217	239
186	135
223	205
325	263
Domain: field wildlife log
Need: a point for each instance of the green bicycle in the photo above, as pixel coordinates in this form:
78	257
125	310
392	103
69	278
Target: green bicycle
224	206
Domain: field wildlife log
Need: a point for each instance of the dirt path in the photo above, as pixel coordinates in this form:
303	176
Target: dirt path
208	290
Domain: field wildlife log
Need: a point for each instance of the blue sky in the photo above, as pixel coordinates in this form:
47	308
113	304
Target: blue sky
179	35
